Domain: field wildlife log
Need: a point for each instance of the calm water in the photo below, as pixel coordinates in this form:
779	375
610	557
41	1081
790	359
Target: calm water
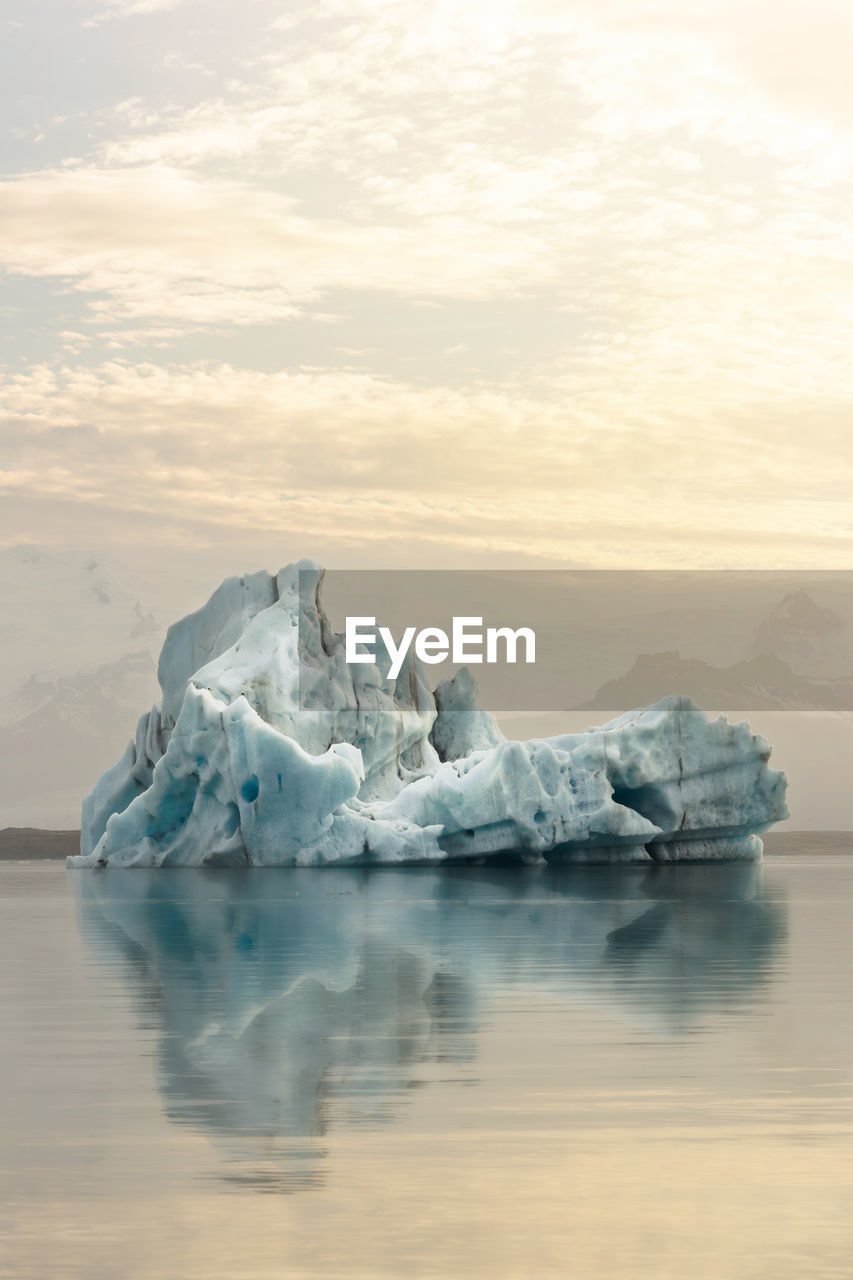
508	1073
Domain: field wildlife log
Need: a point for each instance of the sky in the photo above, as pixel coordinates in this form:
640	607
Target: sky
408	282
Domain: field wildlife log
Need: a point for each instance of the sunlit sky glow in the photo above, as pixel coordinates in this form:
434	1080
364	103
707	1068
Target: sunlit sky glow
428	283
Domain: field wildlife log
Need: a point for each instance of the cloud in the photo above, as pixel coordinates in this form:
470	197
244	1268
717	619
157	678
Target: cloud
620	164
164	245
635	216
130	9
241	454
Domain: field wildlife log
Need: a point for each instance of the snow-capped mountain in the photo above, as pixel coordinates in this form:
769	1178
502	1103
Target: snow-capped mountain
800	659
79	639
764	683
810	638
67	611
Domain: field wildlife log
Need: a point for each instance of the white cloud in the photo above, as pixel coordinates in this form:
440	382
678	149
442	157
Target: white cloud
130	9
666	186
614	160
239	453
167	246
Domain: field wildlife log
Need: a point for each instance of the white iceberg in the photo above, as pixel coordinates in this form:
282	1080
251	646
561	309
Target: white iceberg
269	749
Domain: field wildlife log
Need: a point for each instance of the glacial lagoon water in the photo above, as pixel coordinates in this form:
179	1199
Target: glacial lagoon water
481	1072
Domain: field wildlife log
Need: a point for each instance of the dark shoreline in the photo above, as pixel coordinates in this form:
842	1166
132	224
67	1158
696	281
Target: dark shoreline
24	844
30	844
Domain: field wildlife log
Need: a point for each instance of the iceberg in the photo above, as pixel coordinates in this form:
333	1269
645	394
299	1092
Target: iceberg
268	749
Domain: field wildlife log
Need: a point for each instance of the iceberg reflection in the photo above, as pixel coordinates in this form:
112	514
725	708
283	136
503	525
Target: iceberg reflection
286	1003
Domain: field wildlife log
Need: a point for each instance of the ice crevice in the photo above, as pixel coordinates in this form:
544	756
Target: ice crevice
267	748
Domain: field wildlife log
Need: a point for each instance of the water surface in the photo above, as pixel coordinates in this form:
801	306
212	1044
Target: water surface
601	1072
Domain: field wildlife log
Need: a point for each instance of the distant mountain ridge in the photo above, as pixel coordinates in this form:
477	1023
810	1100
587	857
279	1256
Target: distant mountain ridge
80	633
79	639
812	639
59	735
801	660
754	684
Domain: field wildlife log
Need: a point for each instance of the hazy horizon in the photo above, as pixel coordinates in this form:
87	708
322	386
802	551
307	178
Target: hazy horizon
80	657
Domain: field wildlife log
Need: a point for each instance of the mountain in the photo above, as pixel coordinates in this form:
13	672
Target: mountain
66	611
762	683
79	638
810	638
58	736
